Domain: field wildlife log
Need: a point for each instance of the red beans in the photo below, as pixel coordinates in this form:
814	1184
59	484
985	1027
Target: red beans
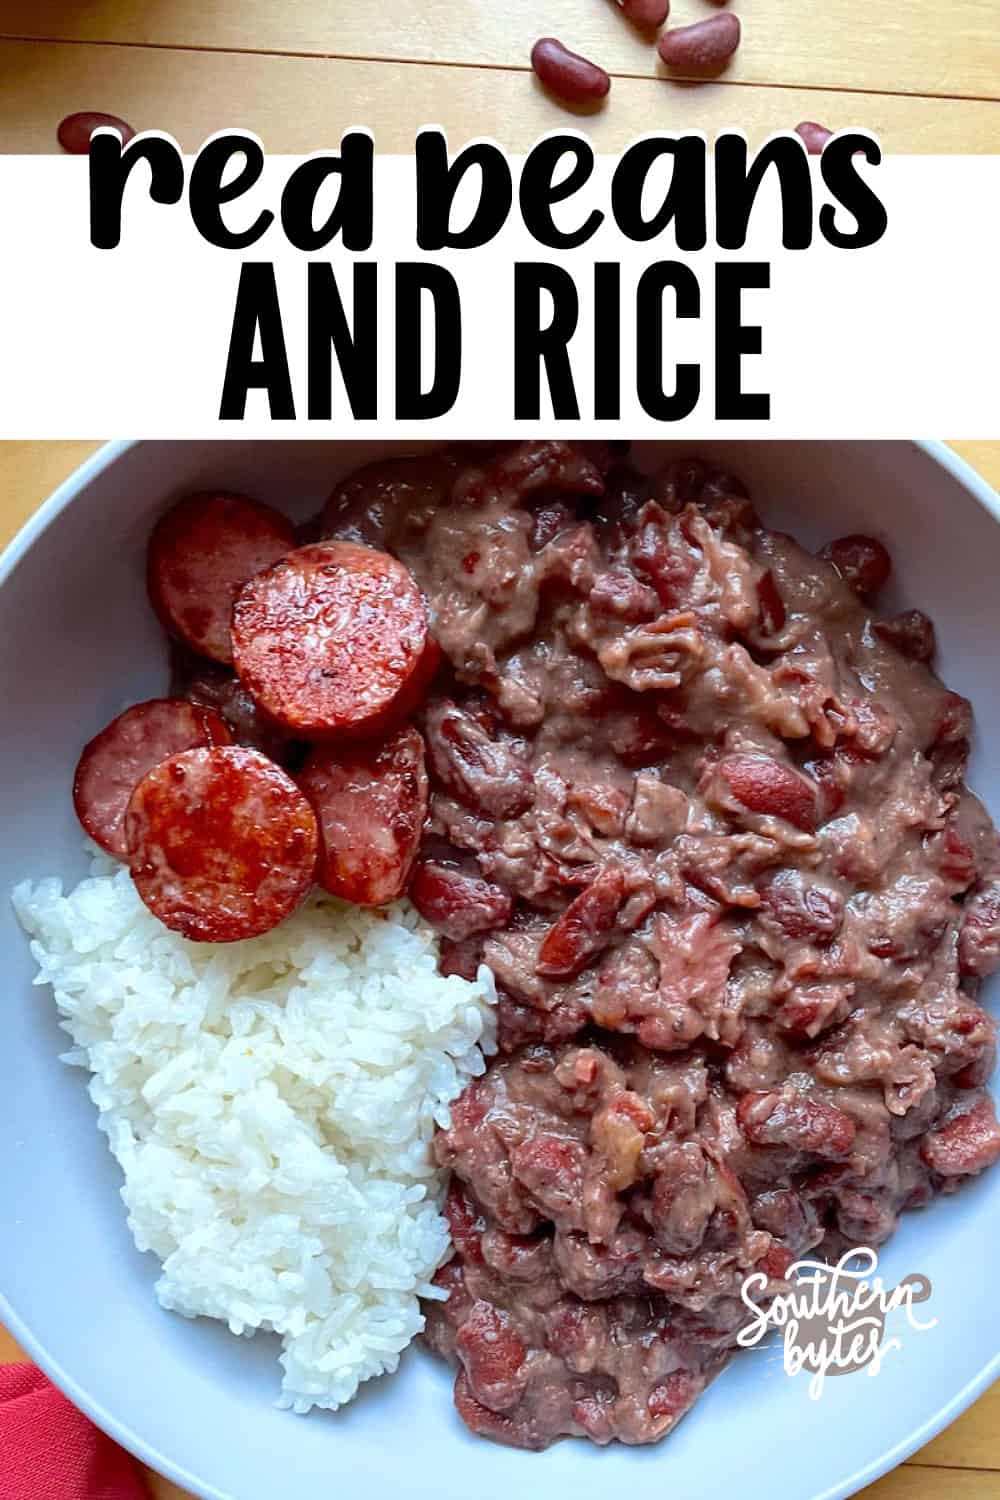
458	903
493	1356
979	938
969	1143
477	766
582	930
704	48
330	637
861	561
370	805
801	908
117	759
646	13
815	136
772	607
768	788
568	76
201	554
75	131
797	1122
222	844
911	632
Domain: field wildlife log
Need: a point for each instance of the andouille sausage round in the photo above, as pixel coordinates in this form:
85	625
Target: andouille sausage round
222	843
331	639
115	761
370	804
201	553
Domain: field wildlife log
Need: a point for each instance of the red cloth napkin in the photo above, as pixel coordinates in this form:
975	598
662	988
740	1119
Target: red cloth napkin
51	1451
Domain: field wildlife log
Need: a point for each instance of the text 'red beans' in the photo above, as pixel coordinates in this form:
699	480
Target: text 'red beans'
703	48
75	131
565	74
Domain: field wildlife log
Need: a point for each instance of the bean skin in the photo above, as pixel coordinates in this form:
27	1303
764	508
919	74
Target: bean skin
568	76
75	131
815	136
703	48
646	13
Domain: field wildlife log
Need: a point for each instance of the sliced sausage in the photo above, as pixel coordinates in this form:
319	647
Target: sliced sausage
201	554
222	843
117	759
331	638
370	805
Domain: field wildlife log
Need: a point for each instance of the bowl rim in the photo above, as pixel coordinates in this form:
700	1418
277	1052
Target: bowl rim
33	528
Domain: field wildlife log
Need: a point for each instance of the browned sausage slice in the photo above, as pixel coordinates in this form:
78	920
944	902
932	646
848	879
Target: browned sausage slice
117	759
330	637
222	843
370	805
201	554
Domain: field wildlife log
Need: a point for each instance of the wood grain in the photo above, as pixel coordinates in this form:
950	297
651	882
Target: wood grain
963	1463
844	44
297	103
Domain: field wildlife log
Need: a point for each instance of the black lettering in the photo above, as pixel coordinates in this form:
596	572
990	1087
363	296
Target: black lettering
537	191
607	341
849	187
355	348
653	399
733	339
206	193
413	279
438	182
258	311
535	346
683	203
737	186
353	213
110	166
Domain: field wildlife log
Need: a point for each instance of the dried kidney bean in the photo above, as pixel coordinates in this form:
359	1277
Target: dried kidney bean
566	74
815	136
705	47
75	131
646	13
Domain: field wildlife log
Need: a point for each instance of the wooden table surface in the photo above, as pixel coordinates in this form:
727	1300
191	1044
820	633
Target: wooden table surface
964	1462
925	76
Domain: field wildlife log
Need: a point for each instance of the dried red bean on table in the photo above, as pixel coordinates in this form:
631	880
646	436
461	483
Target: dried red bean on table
568	76
703	48
646	13
815	136
74	131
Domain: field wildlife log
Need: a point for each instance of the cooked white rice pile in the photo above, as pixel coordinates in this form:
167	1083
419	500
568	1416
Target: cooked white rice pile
270	1103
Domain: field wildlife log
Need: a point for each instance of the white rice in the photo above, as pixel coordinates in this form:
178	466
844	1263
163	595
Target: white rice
271	1103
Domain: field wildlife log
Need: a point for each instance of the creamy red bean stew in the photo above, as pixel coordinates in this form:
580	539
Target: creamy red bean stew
704	815
700	809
